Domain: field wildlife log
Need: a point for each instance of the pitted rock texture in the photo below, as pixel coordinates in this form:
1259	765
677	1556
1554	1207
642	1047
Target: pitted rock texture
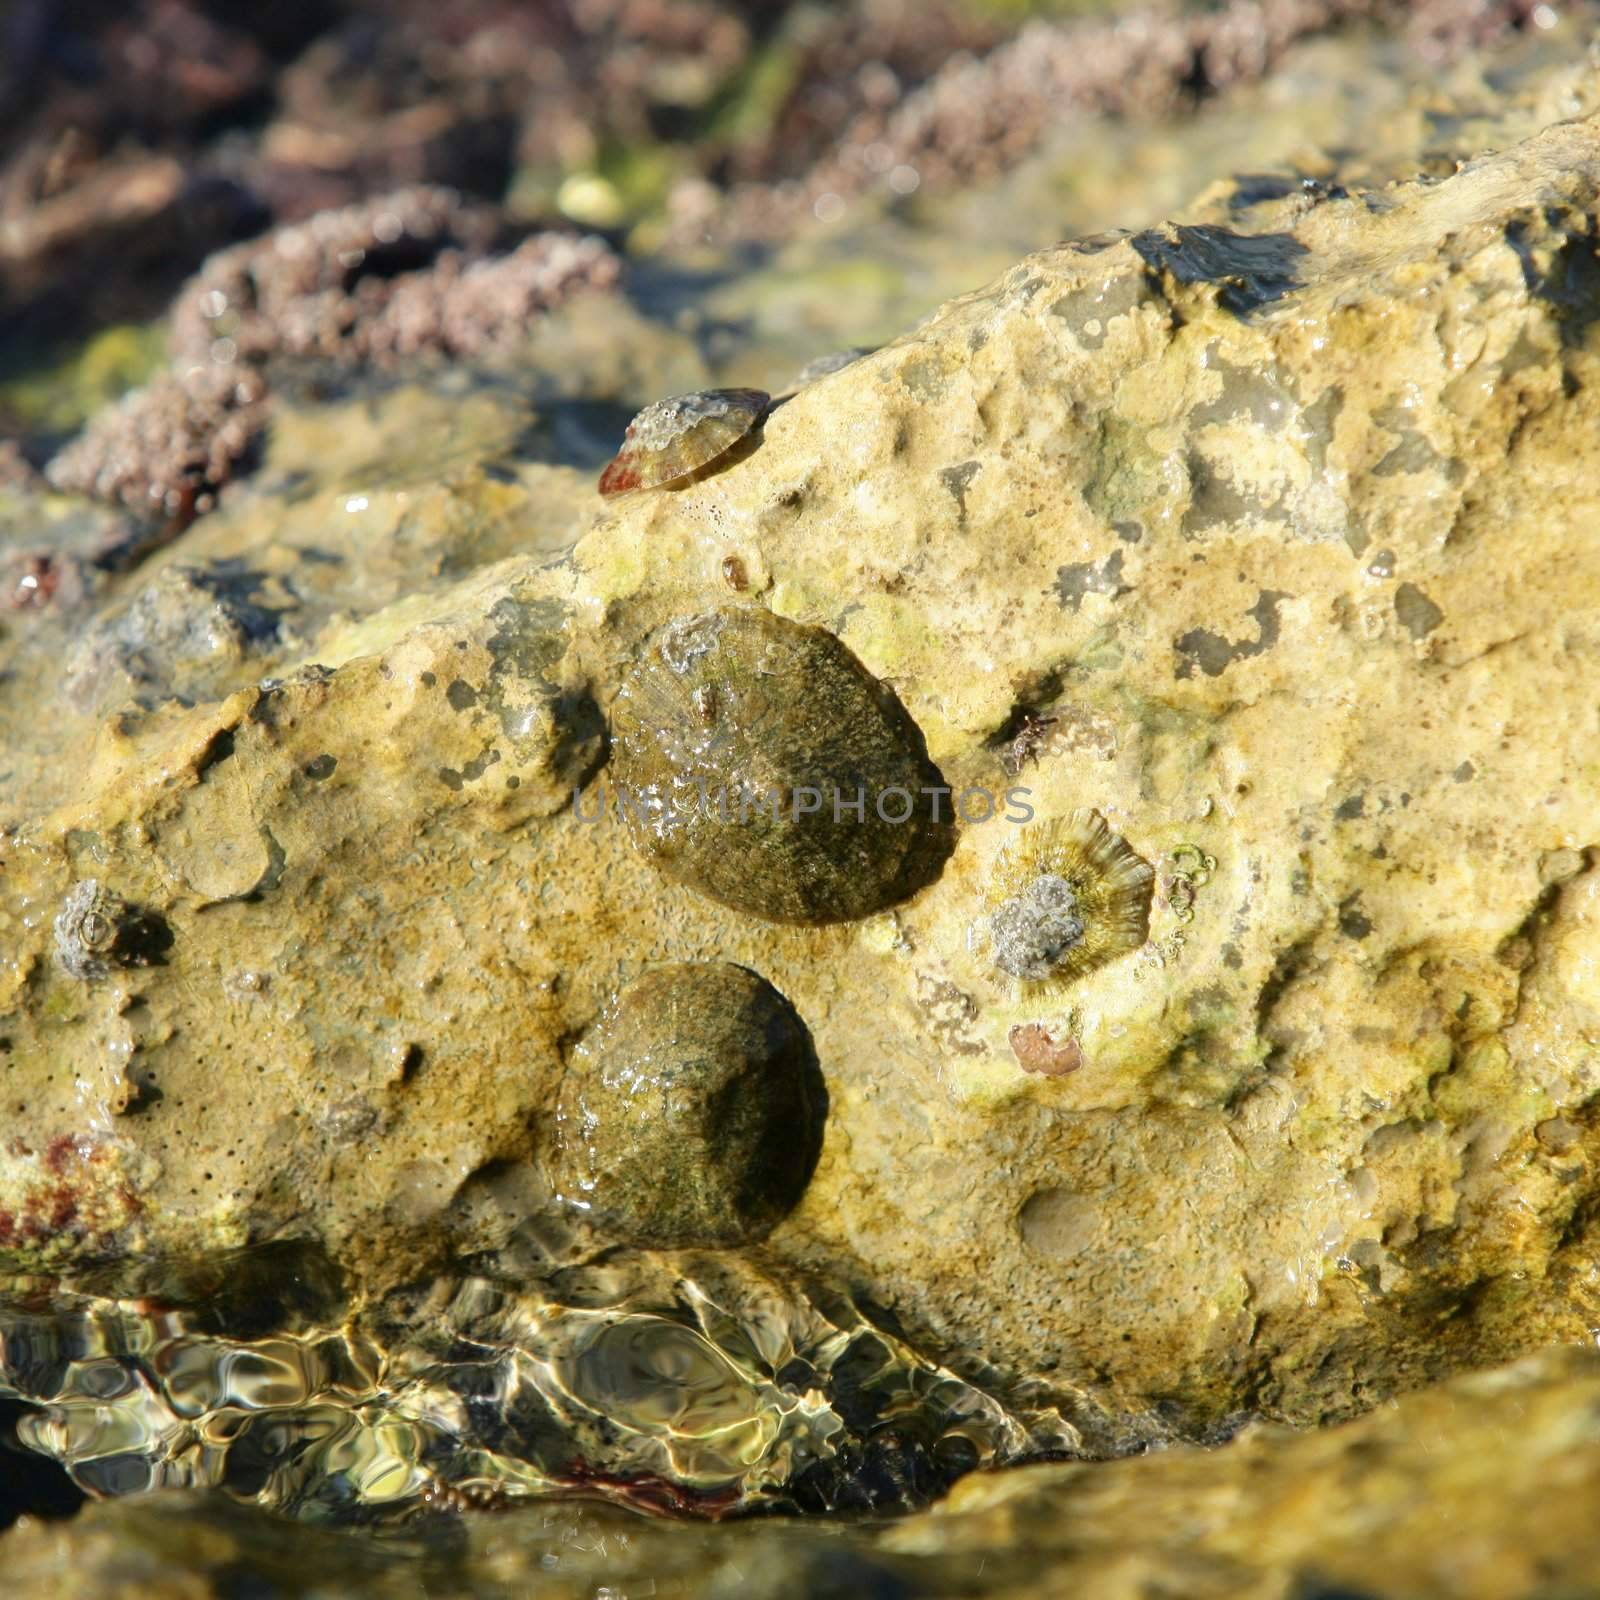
1285	516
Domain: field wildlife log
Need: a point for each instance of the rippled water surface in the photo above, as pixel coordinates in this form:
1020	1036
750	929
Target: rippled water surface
676	1386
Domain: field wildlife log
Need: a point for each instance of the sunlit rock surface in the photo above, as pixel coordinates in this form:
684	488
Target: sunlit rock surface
1270	535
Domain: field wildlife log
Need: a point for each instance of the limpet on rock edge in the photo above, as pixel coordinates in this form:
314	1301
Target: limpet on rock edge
760	763
674	438
1066	897
691	1113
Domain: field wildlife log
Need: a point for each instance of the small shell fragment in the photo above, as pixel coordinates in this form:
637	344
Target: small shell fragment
671	439
1037	1051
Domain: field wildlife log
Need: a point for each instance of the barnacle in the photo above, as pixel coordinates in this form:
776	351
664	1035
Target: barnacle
1067	896
97	929
87	928
674	438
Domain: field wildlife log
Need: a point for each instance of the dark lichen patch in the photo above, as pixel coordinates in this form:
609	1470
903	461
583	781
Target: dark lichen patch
1128	532
1353	922
461	695
1213	654
1128	476
428	680
479	765
320	767
1079	578
527	641
451	779
1412	453
1215	501
1418	615
526	650
955	480
924	380
1252	269
1349	810
1317	421
1464	773
1258	397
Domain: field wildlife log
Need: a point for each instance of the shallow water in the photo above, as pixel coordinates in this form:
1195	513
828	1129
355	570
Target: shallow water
692	1387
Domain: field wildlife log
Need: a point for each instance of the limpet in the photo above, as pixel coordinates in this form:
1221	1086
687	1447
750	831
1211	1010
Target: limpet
674	438
691	1113
1067	896
760	763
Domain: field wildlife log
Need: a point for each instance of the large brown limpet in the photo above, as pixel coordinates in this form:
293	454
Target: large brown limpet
758	761
691	1113
674	438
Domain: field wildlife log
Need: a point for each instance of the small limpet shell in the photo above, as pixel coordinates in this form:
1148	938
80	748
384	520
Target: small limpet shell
673	438
1067	896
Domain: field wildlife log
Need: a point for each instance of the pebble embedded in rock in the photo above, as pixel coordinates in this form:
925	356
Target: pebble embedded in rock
744	744
691	1114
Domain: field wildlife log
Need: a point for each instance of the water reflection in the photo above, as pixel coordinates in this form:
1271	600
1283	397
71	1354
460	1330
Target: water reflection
685	1384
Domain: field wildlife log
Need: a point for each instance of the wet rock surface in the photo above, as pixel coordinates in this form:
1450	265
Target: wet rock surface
1265	532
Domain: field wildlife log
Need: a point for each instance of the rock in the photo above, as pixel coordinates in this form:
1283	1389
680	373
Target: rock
1513	1454
759	762
692	1112
1275	525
